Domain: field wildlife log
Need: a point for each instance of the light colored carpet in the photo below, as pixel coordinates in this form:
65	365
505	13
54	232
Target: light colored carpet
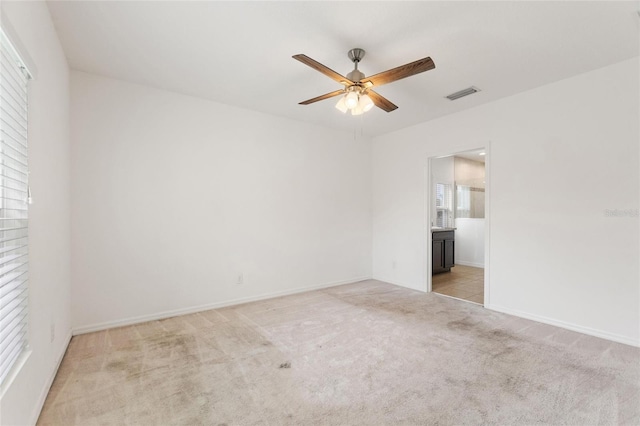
368	353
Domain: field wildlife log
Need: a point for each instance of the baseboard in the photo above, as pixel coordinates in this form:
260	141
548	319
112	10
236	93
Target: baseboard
47	385
399	284
465	263
566	325
191	310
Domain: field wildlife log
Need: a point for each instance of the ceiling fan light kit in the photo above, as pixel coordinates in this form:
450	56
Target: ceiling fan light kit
355	100
357	96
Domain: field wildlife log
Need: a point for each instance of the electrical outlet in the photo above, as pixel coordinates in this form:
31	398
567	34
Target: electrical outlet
240	279
53	331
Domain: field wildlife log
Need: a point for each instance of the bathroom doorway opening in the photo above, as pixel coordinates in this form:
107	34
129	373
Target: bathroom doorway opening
457	234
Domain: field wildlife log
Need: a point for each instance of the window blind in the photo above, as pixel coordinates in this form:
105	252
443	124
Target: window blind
443	204
14	195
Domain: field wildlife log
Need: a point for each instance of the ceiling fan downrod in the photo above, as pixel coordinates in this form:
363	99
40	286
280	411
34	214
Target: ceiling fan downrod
356	56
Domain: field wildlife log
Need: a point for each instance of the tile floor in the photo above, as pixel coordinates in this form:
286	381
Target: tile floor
463	282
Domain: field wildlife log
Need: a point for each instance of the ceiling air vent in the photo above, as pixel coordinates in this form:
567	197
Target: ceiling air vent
464	92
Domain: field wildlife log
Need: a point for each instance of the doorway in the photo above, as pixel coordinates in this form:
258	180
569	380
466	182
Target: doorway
457	234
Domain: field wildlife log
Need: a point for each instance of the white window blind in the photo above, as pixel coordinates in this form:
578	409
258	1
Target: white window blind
14	194
443	205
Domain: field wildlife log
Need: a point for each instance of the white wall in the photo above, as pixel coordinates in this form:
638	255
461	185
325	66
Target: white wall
469	242
560	156
49	227
173	197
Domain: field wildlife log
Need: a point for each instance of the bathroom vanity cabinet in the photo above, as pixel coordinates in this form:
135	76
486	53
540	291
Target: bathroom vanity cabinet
442	250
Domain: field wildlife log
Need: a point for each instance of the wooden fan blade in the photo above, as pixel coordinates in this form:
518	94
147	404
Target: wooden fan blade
323	69
403	71
322	97
381	101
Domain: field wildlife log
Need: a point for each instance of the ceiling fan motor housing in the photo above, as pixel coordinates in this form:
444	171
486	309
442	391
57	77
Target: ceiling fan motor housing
355	75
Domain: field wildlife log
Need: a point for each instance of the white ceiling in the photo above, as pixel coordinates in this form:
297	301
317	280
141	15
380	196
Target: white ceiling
239	53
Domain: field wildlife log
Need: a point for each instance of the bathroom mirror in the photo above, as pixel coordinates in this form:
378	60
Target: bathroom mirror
469	202
469	187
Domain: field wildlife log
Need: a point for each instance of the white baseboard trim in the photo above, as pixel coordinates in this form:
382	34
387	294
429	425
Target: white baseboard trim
566	325
399	284
185	311
465	263
47	386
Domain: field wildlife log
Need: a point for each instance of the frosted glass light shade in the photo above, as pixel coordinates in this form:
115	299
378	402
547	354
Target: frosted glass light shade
341	105
351	100
365	103
357	110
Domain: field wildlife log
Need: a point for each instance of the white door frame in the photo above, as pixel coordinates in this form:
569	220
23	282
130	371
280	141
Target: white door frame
487	217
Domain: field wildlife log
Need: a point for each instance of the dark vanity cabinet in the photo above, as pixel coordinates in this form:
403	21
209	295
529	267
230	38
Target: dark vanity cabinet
443	250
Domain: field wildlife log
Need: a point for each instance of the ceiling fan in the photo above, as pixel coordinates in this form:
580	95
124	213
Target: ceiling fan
357	95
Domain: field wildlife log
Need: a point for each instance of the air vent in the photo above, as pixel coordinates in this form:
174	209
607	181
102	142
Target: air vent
462	93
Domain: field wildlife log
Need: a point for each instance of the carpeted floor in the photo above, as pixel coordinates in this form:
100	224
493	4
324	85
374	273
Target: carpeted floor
368	353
